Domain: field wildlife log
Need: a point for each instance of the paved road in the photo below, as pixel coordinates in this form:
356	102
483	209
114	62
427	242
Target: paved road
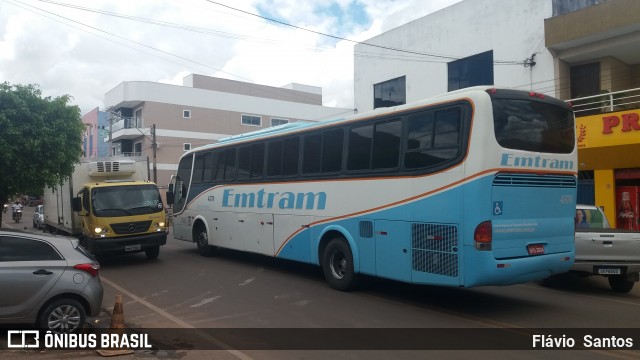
190	293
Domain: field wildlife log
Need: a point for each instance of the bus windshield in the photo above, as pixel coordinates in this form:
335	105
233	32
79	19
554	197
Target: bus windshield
532	125
126	200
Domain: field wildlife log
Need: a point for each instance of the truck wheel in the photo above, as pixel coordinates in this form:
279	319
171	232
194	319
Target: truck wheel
202	239
62	316
153	252
337	265
620	283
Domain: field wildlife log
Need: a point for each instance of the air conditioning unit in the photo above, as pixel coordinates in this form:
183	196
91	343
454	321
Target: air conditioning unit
110	168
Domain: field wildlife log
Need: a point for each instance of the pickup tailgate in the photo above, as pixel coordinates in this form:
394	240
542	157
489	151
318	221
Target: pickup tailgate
607	245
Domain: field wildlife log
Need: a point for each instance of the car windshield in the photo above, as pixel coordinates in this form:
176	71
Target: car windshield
126	200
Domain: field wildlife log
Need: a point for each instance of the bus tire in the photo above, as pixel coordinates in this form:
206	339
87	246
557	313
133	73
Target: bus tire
202	240
337	265
620	283
152	252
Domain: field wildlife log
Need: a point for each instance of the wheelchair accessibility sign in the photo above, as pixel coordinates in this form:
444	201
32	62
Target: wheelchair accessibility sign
497	208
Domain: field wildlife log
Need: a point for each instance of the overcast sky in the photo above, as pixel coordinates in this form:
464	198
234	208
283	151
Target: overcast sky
86	48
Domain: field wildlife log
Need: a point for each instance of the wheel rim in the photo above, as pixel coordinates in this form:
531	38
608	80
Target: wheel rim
338	265
203	240
64	318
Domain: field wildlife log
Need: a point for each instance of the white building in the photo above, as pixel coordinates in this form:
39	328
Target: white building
524	44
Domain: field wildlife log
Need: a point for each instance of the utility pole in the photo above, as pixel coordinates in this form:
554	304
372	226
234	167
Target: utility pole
154	146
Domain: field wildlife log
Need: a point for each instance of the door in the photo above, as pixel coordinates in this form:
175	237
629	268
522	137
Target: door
30	268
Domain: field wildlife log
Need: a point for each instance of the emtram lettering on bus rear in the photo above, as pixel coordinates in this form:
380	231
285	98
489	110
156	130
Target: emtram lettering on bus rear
512	160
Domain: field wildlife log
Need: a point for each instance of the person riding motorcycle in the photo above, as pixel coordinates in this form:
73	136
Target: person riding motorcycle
14	208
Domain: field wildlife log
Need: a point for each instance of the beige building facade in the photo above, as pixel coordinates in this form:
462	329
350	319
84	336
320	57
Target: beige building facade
200	112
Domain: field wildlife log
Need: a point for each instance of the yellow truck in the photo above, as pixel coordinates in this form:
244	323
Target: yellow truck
110	206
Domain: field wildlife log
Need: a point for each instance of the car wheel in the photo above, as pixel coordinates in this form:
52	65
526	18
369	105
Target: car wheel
337	265
202	240
620	284
63	316
152	253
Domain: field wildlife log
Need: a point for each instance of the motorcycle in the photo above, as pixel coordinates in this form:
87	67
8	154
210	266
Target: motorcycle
6	208
17	215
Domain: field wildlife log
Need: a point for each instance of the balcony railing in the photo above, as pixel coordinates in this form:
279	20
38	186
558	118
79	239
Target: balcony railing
607	102
125	124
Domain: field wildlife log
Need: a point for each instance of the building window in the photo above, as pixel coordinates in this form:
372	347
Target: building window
276	121
137	119
251	120
186	114
585	80
471	71
390	93
186	146
137	149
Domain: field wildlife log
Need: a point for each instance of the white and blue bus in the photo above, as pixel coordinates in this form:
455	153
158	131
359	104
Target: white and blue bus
473	187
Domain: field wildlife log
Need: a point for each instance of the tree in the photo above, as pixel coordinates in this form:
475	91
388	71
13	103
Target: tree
40	140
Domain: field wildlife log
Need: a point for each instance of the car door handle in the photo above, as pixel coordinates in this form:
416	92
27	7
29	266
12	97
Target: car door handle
42	272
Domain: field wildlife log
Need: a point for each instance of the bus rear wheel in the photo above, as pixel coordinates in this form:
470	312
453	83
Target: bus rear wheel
337	265
202	240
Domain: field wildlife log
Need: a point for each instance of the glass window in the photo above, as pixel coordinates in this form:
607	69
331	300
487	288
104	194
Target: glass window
198	168
128	200
244	162
533	126
183	177
230	164
312	154
433	138
21	249
360	142
471	71
291	156
276	122
217	173
386	145
447	131
207	174
251	120
585	80
274	158
332	150
257	160
390	93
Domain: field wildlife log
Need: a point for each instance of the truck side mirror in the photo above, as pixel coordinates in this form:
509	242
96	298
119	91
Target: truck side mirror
169	197
76	204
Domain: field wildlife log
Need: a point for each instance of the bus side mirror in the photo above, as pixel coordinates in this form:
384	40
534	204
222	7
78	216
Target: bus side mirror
169	197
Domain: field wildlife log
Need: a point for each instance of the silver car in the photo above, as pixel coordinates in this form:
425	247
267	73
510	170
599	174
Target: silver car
38	217
49	281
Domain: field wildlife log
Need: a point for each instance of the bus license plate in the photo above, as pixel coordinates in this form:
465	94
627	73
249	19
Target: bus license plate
609	271
535	249
132	247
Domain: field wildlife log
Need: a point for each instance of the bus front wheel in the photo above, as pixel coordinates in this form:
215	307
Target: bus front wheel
337	265
202	240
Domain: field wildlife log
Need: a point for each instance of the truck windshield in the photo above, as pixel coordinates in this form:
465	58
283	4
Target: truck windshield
126	200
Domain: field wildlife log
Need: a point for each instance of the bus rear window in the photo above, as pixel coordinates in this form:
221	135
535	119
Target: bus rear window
533	125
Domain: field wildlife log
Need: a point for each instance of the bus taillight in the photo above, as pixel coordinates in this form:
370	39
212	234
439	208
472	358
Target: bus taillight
482	236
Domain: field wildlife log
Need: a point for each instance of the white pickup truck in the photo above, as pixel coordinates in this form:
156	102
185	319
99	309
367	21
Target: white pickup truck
601	250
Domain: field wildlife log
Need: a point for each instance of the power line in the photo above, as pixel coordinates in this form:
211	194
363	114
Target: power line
450	57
